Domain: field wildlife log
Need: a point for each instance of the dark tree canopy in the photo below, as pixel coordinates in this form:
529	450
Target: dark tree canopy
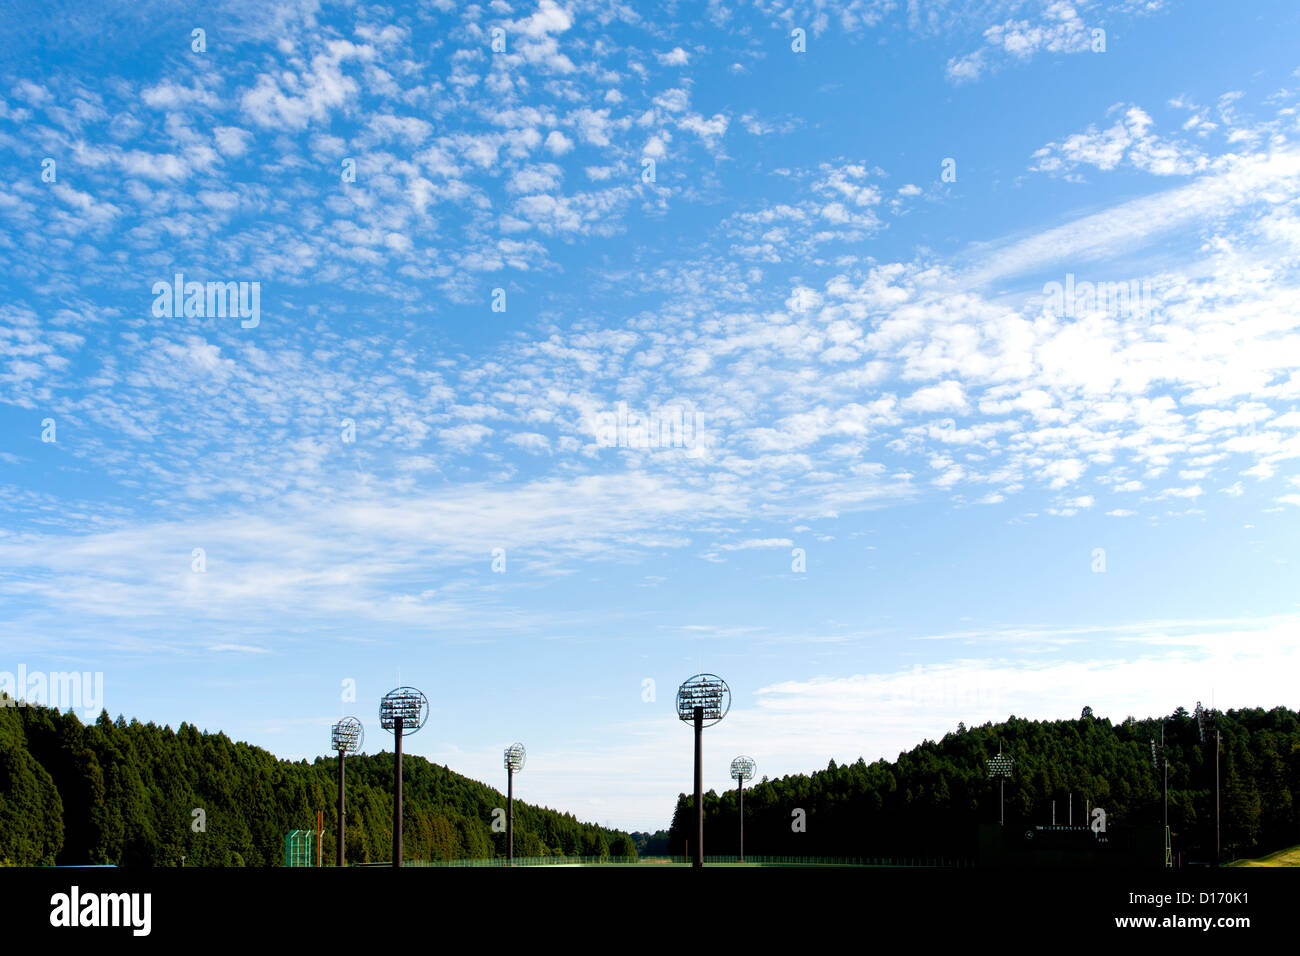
125	793
929	800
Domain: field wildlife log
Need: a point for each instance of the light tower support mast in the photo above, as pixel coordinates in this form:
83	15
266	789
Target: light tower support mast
742	769
346	737
402	710
702	700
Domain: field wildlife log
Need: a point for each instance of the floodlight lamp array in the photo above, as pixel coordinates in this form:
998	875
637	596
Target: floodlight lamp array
1001	765
347	736
407	703
514	757
1204	720
707	691
742	768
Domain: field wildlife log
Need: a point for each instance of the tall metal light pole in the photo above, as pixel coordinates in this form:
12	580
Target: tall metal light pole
1209	720
1160	760
702	700
403	711
1000	768
742	769
346	737
514	760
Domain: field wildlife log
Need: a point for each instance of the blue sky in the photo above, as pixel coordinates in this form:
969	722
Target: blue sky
919	489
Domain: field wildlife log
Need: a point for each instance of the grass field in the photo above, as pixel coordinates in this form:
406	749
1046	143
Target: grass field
666	862
1287	857
657	862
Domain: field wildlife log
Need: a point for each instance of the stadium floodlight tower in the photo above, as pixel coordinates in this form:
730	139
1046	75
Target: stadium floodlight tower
742	769
346	737
702	700
514	761
1000	768
1208	721
403	710
1160	760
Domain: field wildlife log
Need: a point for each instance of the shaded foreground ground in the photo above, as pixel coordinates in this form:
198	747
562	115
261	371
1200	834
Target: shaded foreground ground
1287	857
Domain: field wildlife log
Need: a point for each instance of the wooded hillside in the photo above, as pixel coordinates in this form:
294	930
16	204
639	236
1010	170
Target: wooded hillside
125	793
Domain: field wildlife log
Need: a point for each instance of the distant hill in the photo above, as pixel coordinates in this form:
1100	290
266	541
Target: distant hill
929	800
125	793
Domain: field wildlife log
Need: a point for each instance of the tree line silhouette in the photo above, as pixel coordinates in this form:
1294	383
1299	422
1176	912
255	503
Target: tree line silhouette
125	793
929	801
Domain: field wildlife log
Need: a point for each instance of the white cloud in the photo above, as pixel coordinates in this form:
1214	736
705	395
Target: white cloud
750	544
232	141
1129	139
296	99
946	396
1060	30
549	18
463	437
557	143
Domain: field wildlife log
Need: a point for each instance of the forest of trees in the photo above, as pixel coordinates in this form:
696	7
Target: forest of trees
125	793
650	844
928	801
